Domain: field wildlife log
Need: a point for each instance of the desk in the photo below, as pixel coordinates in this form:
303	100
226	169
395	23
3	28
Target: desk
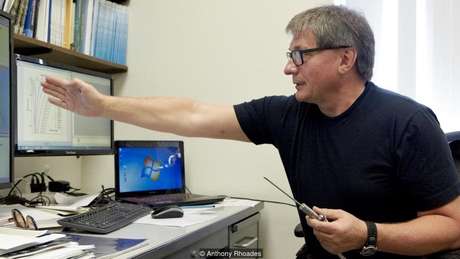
231	225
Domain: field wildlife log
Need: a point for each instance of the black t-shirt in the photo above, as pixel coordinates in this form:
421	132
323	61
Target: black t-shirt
382	160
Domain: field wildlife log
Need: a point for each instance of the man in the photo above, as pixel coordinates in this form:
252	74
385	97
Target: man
377	163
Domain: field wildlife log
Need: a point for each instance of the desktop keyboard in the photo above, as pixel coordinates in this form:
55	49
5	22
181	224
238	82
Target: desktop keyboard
106	219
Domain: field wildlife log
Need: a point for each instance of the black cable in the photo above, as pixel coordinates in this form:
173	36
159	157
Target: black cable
10	197
103	197
37	178
41	199
14	186
72	190
34	174
268	201
42	177
251	199
47	176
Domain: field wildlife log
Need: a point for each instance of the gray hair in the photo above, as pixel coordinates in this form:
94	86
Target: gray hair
337	26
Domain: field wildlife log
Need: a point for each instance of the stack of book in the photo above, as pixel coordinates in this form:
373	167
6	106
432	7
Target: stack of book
94	27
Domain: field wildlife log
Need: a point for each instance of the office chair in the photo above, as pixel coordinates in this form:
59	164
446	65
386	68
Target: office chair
453	138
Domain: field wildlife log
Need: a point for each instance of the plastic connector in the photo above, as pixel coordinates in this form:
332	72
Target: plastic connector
59	186
37	184
37	187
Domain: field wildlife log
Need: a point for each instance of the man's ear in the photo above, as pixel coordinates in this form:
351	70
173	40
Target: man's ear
348	58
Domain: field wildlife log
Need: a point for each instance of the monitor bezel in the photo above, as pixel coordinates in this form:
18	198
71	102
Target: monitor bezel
70	151
146	144
11	97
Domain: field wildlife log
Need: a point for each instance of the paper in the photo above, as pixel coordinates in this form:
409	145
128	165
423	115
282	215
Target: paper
191	216
35	250
22	232
71	249
108	247
70	203
58	248
229	202
69	200
10	243
60	208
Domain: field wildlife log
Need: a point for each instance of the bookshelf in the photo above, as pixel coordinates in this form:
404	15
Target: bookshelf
31	47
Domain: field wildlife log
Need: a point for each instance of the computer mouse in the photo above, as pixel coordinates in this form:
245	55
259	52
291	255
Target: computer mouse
168	212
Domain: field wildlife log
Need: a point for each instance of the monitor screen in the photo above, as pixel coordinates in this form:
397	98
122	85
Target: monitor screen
45	129
6	158
149	169
149	166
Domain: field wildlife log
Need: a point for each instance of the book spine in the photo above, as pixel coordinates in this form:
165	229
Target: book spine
35	18
27	29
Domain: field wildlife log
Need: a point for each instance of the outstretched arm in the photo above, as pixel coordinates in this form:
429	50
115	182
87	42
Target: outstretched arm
168	114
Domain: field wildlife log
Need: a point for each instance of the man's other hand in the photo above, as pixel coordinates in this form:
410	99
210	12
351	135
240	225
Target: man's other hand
343	231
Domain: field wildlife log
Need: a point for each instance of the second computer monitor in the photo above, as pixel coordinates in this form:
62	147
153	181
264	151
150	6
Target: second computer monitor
45	129
6	151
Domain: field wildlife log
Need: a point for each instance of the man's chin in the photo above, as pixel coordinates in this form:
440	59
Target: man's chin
301	97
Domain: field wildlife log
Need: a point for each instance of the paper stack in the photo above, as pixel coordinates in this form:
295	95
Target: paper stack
67	203
15	243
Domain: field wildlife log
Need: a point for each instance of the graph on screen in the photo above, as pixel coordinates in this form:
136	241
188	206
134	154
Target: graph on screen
39	118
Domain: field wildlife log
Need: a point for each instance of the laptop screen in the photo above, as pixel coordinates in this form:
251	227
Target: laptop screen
149	167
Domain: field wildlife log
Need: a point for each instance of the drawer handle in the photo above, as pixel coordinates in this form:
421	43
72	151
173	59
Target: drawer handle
247	243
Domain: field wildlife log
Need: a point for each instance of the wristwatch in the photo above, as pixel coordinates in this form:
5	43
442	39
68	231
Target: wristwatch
370	247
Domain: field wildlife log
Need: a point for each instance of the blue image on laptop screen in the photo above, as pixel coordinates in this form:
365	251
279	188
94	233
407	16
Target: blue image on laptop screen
149	168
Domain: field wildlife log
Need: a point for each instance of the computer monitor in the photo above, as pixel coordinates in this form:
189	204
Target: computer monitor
45	129
6	75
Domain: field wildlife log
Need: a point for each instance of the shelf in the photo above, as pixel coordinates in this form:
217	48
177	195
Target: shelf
32	47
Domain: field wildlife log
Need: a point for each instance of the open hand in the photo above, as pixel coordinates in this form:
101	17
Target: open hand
74	95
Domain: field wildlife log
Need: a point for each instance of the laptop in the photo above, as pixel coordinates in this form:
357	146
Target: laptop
152	173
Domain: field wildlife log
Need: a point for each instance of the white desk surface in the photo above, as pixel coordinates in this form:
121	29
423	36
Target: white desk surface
164	240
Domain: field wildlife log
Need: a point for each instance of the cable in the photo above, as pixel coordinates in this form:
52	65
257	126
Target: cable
41	199
38	179
251	199
47	176
73	189
103	197
268	201
34	174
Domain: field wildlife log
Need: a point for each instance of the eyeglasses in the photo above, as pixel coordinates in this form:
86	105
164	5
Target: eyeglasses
297	55
23	222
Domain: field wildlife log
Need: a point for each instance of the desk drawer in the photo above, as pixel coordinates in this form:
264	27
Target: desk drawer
245	233
217	240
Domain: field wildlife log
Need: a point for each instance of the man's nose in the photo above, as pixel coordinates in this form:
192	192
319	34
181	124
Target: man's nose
290	68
